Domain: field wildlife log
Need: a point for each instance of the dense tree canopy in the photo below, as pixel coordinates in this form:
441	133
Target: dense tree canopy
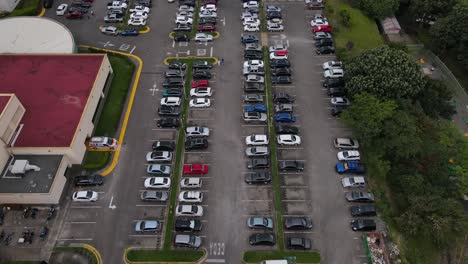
379	9
435	98
384	72
434	8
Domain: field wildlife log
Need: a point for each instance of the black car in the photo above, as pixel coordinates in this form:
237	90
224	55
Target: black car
187	2
300	243
173	83
323	43
267	239
286	129
334	83
338	91
177	66
48	3
336	110
283	63
363	210
80	4
281	79
253	55
207	20
282	98
202	65
252	10
254	88
183	28
363	225
280	72
325	50
196	143
298	223
248	38
146	3
173	92
162	145
168	123
181	38
89	180
273	15
290	165
258	163
262	177
199	75
188	225
165	110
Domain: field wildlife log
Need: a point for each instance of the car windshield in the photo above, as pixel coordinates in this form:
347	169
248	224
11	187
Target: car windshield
89	194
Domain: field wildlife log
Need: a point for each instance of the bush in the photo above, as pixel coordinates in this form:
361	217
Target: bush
345	18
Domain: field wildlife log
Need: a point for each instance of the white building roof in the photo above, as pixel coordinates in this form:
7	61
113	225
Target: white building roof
35	35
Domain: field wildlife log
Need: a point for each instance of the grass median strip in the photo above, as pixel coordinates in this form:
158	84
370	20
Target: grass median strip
142	255
273	156
310	257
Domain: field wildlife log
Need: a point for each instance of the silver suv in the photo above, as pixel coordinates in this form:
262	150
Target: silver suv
197	131
189	241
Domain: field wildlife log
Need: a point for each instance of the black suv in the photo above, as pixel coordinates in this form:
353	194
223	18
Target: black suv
282	98
338	91
283	63
165	110
177	66
253	55
280	72
286	129
254	88
258	164
334	82
323	43
363	210
298	223
168	123
173	83
249	39
291	165
198	75
196	143
89	180
300	243
164	146
188	225
202	65
363	225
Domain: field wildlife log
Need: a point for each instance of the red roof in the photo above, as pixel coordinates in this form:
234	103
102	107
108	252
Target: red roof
54	89
4	99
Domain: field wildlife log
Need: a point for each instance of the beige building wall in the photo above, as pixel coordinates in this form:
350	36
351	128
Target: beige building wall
77	149
52	197
9	121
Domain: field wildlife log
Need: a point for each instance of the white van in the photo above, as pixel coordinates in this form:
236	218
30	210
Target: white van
283	261
103	142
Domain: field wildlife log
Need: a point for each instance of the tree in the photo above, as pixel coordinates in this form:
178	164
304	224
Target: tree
433	8
435	98
384	72
379	9
367	114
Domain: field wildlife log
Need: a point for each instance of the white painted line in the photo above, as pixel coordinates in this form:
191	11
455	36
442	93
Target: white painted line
75	239
144	220
294	186
211	51
200	119
134	47
150	205
292	148
299	232
215	260
254	125
197	152
173	43
145	235
284	86
295	201
256	200
77	223
256	186
86	207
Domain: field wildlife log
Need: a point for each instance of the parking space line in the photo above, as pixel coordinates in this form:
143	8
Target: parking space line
198	152
282	148
76	239
162	129
150	205
144	220
300	200
153	140
259	200
295	186
291	173
86	207
76	223
254	125
145	235
200	119
284	86
256	186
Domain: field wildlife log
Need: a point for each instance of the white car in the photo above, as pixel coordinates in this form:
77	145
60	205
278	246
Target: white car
251	28
191	196
278	56
346	143
318	22
201	92
184	20
208	13
256	140
246	15
203	37
191	182
320	16
139	14
158	182
251	21
184	13
278	47
189	210
254	78
275	21
140	9
110	30
348	155
170	101
270	8
253	63
200	102
210	7
137	22
250	4
340	101
273	27
333	73
61	9
288	140
332	65
159	156
186	8
353	182
85	196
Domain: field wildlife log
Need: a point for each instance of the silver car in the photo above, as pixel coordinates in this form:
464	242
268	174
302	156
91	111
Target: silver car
189	241
257	151
159	169
154	196
196	131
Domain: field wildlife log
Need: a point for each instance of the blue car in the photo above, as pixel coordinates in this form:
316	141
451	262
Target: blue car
260	108
354	167
129	32
285	118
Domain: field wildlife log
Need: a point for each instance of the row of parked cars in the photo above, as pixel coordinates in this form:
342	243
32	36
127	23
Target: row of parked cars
322	35
184	21
77	9
117	10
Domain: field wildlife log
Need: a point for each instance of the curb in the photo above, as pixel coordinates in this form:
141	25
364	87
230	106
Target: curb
145	30
94	251
41	14
116	155
127	261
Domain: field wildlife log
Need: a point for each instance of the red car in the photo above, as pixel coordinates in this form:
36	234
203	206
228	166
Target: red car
195	168
206	28
322	28
74	15
200	83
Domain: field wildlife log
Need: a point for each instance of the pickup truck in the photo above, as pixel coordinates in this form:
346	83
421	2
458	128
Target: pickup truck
116	5
350	167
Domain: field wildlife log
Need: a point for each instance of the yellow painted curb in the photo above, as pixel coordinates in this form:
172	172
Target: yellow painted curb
171	35
144	31
215	34
466	134
101	27
95	252
129	107
166	60
42	12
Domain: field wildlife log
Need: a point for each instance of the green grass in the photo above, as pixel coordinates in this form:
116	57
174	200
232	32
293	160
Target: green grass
363	32
178	161
79	250
274	159
164	255
20	262
26	8
109	120
308	257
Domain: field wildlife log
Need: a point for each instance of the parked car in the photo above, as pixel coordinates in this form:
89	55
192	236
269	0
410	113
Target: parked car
363	210
189	210
253	55
332	65
165	110
147	226
322	35
158	182
206	28
168	122
281	80
85	196
334	83
188	225
163	145
322	28
262	177
191	197
170	101
350	167
187	241
283	108
200	83
74	15
286	129
196	131
159	156
183	28
172	92
349	155
196	143
113	18
363	225
248	38
280	72
202	65
285	118
300	243
283	63
340	101
258	163
325	50
154	196
254	88
291	140
282	97
353	182
261	108
275	27
336	92
201	92
253	98
257	151
333	73
159	169
191	182
200	74
200	102
256	140
297	223
255	117
181	38
61	9
196	168
258	222
207	20
89	180
359	197
290	165
267	239
129	32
